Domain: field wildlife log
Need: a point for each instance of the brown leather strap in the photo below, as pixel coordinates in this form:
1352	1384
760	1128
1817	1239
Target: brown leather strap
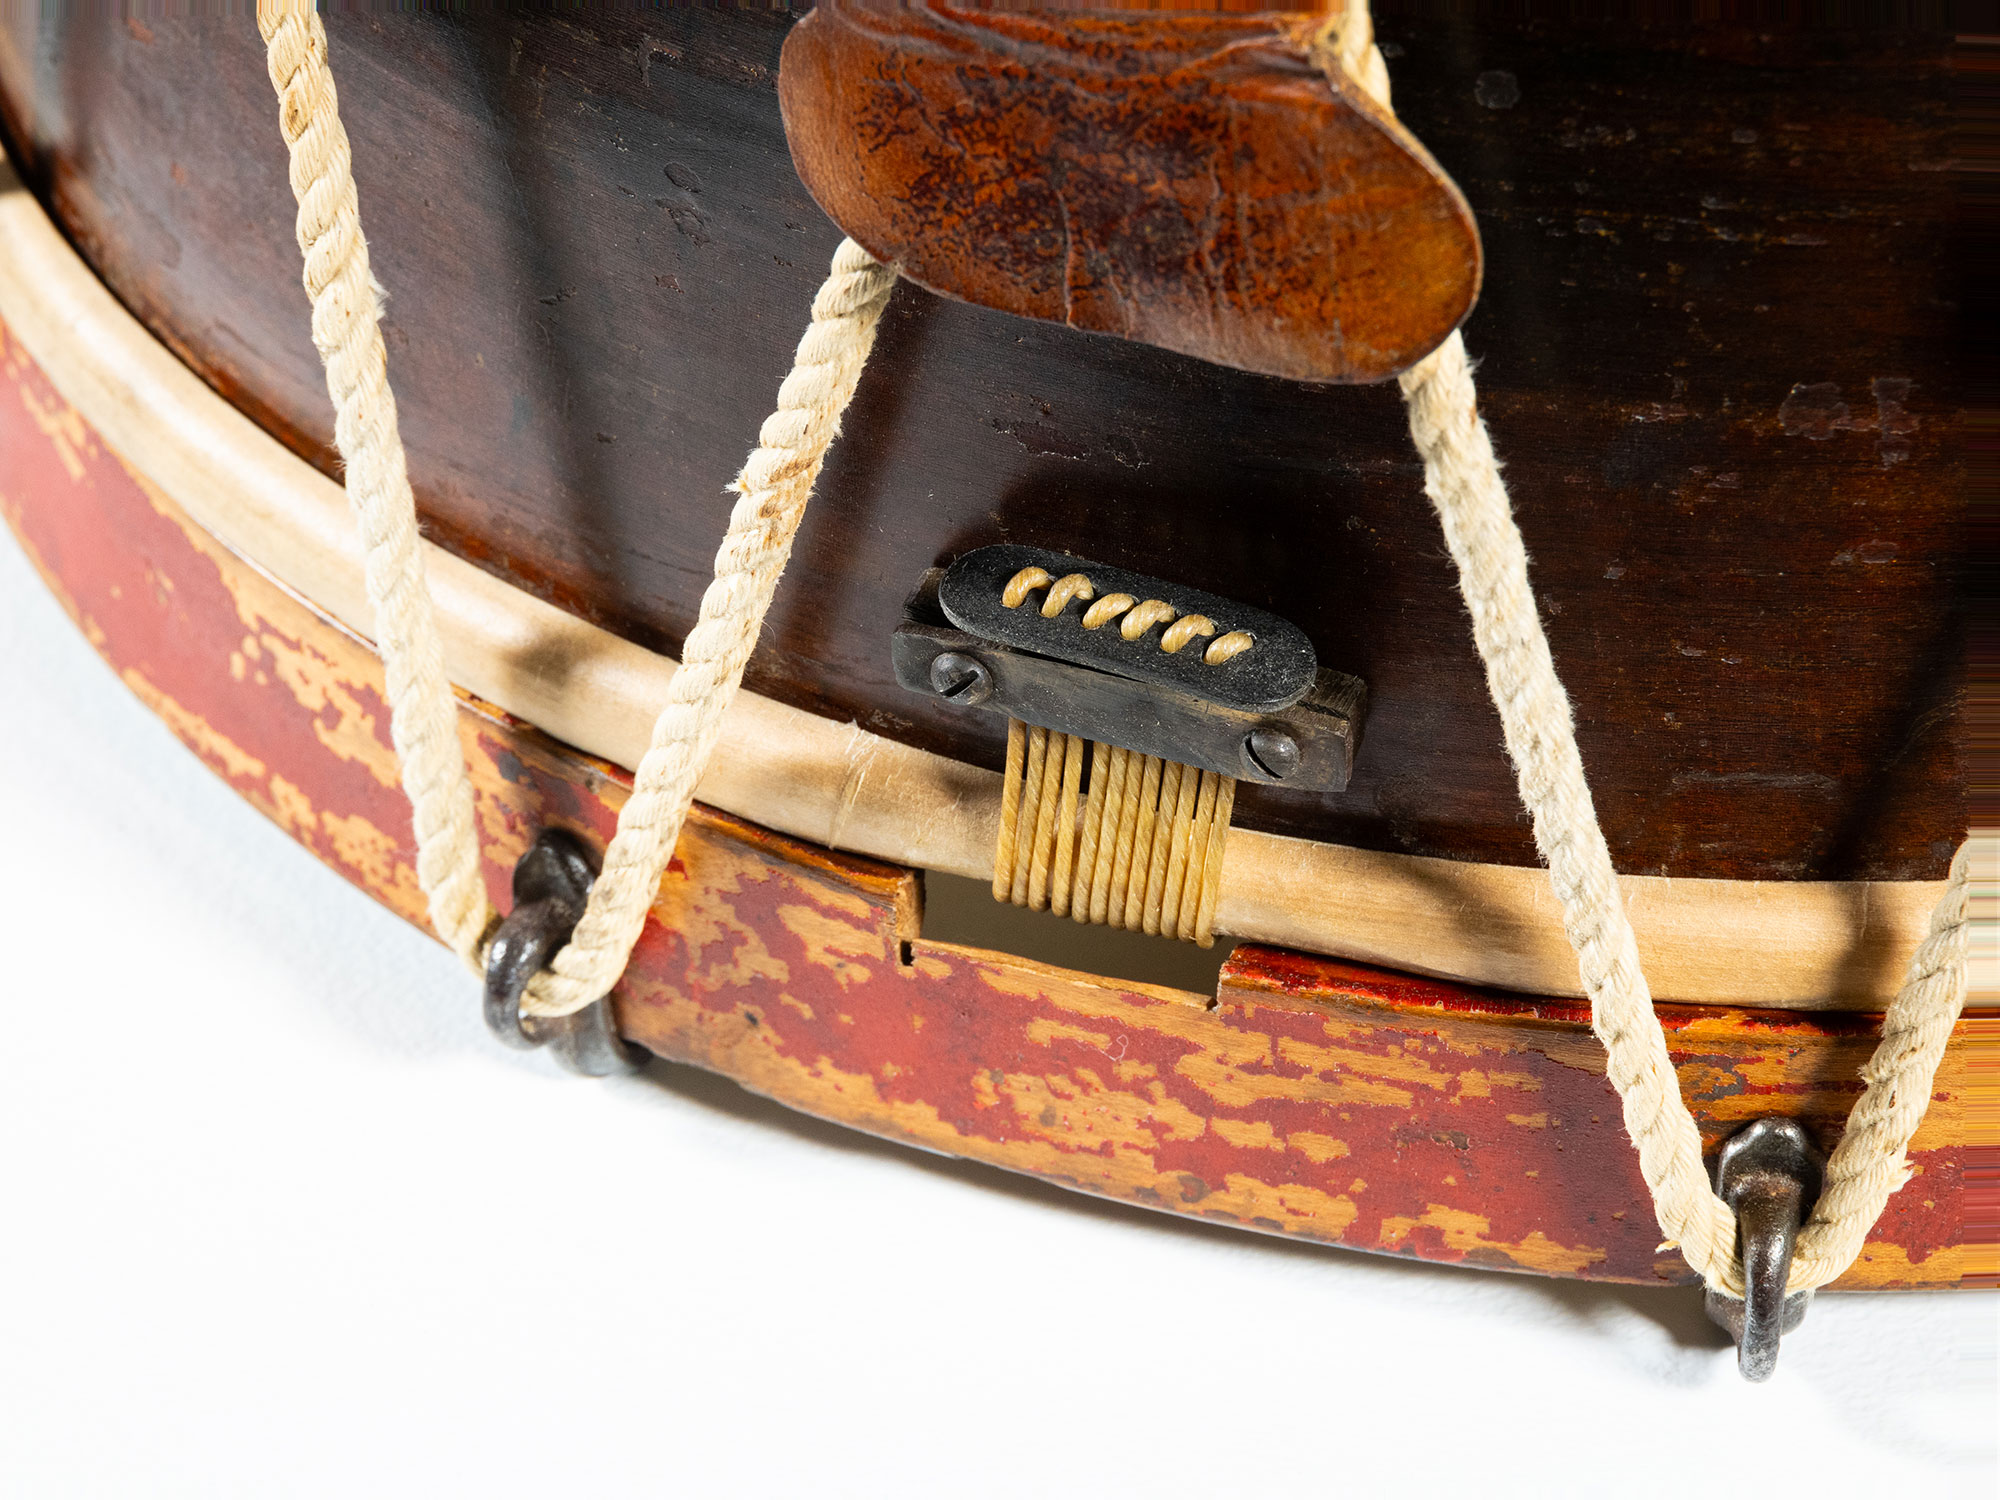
1184	180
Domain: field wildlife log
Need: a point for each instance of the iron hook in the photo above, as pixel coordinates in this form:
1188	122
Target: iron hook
551	887
1770	1172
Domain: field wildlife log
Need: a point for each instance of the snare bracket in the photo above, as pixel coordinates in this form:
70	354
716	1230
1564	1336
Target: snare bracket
1270	715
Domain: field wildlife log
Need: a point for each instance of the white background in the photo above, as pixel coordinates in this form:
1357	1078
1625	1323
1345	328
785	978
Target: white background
277	1218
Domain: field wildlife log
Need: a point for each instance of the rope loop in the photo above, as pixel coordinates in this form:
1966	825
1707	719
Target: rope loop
1462	478
423	719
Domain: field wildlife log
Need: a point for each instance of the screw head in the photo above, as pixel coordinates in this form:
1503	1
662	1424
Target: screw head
959	678
1270	754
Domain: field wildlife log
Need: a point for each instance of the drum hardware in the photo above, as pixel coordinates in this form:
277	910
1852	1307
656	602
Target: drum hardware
552	883
1135	839
1769	1172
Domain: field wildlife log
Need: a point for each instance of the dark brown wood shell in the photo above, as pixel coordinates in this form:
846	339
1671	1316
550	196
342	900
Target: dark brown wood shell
1718	345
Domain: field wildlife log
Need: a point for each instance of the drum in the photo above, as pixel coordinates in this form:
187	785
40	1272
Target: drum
1716	344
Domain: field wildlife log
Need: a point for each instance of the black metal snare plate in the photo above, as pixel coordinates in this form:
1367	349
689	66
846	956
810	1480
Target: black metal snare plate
1273	674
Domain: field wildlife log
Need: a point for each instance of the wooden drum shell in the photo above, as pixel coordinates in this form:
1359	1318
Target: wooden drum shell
1743	510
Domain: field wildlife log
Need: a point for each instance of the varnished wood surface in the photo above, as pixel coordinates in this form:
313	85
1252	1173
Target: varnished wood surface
1715	255
1310	1099
1194	182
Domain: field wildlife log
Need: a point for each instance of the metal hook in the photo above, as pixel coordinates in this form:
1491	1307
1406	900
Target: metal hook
551	887
1769	1172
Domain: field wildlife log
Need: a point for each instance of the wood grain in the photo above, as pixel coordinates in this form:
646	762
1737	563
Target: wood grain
1189	181
1310	1099
1718	347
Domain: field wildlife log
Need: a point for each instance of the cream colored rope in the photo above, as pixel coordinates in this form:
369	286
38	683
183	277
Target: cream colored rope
1462	479
1869	1164
346	311
773	487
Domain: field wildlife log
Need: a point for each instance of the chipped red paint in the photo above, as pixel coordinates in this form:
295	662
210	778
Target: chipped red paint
1734	1066
1311	1098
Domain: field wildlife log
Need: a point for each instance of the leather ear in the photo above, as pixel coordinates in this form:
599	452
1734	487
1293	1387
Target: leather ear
1194	182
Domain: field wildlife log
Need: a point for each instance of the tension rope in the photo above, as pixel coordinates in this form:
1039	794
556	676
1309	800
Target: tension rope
1461	477
772	490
